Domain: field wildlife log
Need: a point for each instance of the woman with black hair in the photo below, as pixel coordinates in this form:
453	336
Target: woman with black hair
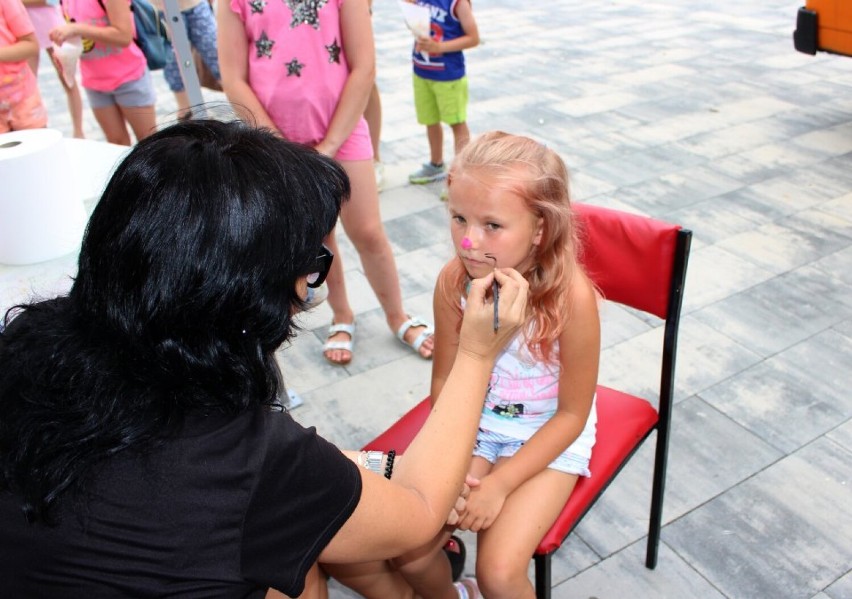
142	448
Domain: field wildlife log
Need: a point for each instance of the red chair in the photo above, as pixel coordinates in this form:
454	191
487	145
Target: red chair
641	263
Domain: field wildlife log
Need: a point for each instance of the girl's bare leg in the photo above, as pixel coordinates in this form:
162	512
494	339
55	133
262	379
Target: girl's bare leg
363	224
112	123
504	550
338	301
72	94
142	119
373	116
427	569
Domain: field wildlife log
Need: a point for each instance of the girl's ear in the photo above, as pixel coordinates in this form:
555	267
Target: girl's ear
539	230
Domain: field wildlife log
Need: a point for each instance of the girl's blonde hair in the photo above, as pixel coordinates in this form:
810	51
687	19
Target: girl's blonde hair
539	176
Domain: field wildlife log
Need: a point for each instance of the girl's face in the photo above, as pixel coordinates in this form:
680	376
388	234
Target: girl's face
489	219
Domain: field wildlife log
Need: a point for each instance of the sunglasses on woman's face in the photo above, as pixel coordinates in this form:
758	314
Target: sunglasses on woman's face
323	265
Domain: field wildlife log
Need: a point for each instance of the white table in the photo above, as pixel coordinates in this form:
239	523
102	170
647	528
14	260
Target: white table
93	162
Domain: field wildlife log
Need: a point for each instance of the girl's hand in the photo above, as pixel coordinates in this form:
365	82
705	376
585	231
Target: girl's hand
483	506
325	149
478	337
63	32
458	510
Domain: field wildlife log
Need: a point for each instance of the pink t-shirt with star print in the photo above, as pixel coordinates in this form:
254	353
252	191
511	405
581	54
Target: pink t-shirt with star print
297	68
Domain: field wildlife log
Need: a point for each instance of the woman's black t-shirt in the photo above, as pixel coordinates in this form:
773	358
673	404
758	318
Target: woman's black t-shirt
231	507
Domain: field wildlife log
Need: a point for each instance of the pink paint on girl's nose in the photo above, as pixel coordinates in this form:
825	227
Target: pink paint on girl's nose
466	243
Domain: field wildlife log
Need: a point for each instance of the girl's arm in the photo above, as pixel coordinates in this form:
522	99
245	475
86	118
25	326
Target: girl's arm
397	516
233	65
119	32
470	39
25	47
447	317
579	352
357	32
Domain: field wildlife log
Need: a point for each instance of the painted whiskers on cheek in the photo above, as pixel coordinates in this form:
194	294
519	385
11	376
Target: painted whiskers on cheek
494	292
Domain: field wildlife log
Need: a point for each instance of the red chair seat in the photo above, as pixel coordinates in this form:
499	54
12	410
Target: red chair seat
403	431
623	421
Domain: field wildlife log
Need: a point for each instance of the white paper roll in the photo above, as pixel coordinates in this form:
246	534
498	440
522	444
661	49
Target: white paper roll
41	212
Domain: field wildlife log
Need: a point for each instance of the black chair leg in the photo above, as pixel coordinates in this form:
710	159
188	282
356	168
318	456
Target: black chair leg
657	490
542	576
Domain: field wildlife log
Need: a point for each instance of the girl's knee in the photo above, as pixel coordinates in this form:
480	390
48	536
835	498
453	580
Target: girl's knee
499	576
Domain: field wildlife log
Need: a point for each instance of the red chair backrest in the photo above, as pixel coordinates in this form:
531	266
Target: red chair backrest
629	257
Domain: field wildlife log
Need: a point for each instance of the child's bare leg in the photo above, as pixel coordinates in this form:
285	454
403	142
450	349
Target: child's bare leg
72	94
505	549
112	124
142	119
435	133
363	224
461	135
372	580
338	301
427	569
182	101
373	116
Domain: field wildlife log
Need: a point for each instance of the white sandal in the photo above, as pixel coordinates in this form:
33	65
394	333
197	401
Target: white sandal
461	588
416	321
343	327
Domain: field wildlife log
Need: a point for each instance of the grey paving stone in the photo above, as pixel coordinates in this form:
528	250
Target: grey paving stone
842	589
769	538
785	406
624	575
842	435
767	320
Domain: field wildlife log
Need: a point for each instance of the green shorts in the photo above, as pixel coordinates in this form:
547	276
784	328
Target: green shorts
440	101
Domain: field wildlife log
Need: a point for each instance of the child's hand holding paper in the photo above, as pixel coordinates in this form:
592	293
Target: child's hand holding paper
417	19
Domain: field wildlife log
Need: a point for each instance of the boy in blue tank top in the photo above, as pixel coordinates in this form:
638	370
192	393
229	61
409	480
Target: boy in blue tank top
440	83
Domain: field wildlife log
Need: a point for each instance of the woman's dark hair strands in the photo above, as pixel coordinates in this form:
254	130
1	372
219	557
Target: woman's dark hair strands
186	287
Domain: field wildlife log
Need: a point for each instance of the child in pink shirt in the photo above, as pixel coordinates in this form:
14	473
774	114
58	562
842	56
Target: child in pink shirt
305	70
20	102
114	71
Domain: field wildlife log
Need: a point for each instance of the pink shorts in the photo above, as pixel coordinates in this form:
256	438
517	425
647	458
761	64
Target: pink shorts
28	113
357	146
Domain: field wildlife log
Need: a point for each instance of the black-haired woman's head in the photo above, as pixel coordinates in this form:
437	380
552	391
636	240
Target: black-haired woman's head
193	254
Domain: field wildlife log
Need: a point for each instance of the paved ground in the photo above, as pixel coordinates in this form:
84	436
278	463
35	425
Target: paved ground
695	113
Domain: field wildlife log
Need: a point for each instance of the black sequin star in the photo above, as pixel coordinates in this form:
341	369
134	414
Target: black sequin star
257	6
264	46
305	12
333	52
294	67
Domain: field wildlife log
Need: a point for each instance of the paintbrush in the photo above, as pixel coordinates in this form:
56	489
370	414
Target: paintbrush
495	293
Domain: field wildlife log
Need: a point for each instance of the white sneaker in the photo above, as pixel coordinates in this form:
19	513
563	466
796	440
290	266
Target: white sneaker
380	174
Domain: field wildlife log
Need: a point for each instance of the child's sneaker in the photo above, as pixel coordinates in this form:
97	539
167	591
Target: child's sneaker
428	172
380	174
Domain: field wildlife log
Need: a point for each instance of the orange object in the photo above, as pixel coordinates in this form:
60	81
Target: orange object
824	26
